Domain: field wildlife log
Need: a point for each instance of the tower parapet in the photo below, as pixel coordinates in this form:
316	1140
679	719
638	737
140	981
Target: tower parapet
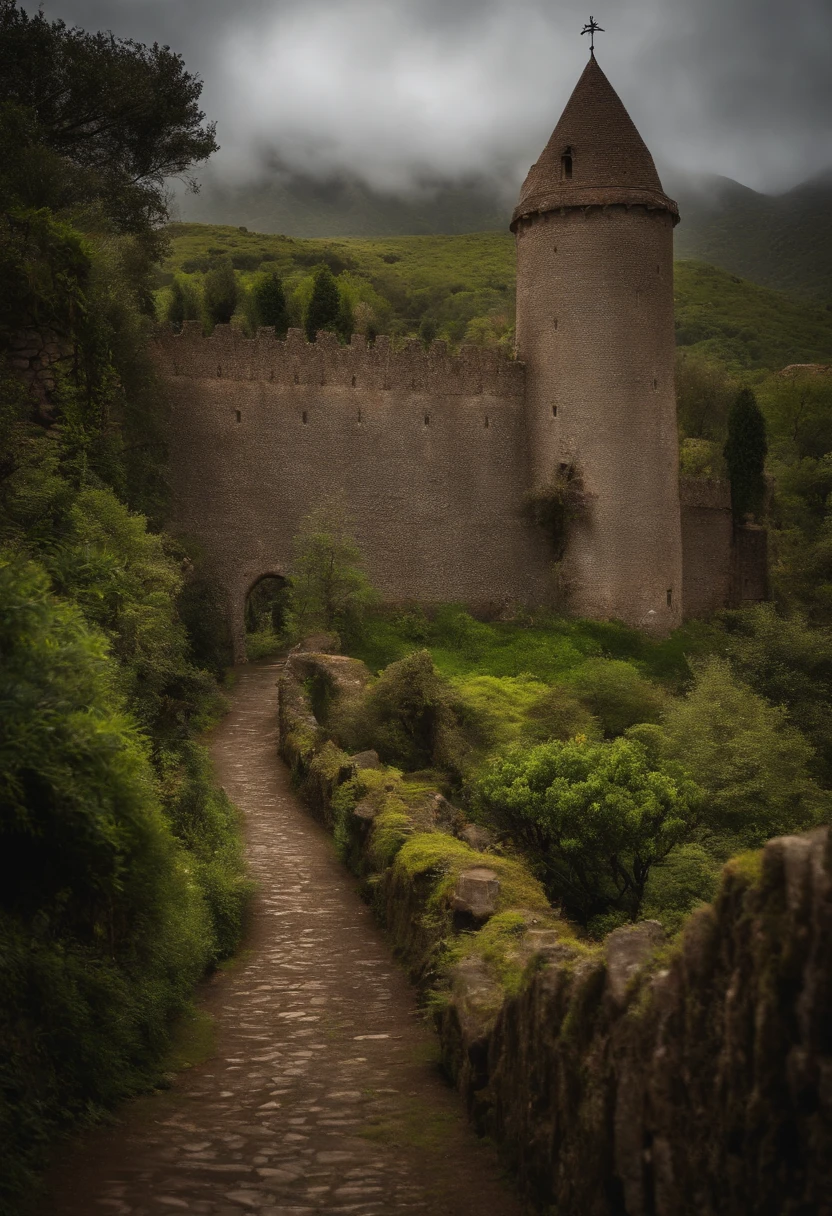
594	233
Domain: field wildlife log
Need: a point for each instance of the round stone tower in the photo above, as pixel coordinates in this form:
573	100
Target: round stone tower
594	234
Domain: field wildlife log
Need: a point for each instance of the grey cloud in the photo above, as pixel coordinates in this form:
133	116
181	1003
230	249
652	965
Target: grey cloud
397	91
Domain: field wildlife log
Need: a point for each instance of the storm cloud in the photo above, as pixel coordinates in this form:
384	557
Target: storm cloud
399	92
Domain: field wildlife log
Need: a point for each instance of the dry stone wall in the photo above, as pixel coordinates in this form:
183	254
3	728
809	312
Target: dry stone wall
427	452
636	1078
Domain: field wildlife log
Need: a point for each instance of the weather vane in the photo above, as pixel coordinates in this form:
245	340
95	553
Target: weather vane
592	28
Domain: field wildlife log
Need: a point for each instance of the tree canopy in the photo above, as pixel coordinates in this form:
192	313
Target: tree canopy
122	115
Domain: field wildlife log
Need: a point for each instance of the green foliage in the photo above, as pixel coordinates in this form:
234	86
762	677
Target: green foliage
102	926
461	288
101	121
687	877
412	717
704	393
752	764
790	665
270	303
328	589
617	694
324	310
220	293
184	302
745	455
593	819
556	506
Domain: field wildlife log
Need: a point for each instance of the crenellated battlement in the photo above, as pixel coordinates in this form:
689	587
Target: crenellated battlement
228	355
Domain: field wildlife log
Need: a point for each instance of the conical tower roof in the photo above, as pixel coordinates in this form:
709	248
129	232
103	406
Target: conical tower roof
595	157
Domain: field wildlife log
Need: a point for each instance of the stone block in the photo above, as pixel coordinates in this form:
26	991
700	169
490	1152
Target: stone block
476	893
626	950
477	838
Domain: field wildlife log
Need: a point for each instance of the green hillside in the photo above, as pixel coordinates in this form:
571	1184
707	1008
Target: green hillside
778	241
462	288
783	242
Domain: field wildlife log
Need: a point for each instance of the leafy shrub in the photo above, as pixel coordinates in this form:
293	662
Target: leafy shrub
328	590
592	818
751	763
560	714
220	293
617	694
412	716
103	929
270	303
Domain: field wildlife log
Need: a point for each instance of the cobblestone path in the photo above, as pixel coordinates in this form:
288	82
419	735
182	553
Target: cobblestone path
323	1094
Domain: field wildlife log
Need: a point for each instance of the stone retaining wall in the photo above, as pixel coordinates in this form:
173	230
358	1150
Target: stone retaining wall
636	1078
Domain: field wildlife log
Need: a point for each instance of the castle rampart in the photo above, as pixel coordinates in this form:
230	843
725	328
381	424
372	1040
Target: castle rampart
427	451
228	355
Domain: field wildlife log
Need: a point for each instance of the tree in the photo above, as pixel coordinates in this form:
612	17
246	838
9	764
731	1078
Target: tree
221	292
270	303
126	115
752	764
328	588
745	455
183	304
593	818
324	309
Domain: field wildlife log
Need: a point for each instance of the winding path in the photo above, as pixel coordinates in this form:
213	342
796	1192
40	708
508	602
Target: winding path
324	1094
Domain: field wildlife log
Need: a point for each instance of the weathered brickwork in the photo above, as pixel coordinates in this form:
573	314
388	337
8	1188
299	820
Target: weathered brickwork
595	330
427	453
435	456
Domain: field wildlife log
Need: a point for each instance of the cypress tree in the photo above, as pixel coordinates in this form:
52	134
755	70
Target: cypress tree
325	306
221	293
270	303
745	455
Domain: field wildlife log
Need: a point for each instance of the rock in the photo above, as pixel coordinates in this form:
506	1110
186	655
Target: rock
318	643
365	810
444	815
368	759
476	893
626	950
477	838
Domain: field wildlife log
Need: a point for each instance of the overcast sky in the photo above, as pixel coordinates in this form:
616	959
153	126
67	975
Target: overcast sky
396	90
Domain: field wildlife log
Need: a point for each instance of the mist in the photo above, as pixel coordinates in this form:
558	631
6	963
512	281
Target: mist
399	94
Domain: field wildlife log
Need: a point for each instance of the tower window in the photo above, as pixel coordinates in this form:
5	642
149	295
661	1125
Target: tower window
487	422
670	597
353	381
655	384
566	165
359	415
427	419
239	414
556	322
305	419
554	411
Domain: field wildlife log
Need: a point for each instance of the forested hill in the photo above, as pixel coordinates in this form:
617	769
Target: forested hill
462	288
781	241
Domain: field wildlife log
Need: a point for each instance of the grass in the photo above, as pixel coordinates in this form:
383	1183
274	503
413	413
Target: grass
446	282
544	649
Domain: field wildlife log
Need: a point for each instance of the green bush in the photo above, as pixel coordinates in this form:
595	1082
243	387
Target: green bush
617	694
328	590
412	716
103	927
592	818
751	763
220	293
789	664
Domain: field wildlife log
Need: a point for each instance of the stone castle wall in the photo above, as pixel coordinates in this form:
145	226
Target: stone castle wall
427	452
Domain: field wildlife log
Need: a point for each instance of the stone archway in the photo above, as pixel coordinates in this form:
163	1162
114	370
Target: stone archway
257	604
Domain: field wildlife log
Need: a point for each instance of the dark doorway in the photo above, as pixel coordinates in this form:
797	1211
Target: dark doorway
265	615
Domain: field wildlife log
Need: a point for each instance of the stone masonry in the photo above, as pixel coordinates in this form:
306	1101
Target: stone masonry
435	456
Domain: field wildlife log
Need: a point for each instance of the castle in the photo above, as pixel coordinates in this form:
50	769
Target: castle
438	456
